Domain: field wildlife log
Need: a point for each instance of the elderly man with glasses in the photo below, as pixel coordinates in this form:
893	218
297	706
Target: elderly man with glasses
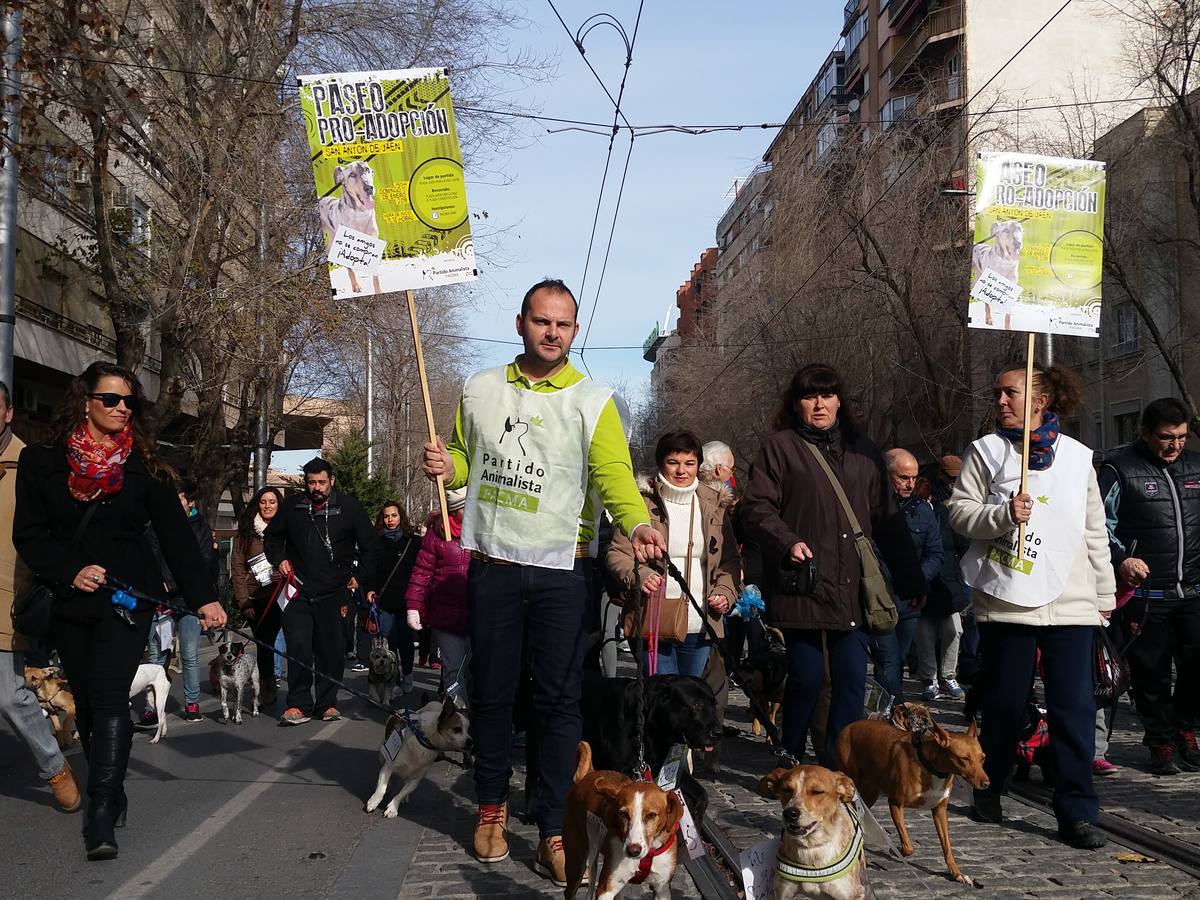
1151	493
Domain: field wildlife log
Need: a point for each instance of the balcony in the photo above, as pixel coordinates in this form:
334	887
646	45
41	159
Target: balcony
850	10
941	23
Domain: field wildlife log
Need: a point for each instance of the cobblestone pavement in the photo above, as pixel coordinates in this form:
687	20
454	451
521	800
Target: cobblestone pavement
1022	859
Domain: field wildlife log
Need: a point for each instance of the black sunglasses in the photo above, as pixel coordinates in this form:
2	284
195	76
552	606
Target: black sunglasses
110	400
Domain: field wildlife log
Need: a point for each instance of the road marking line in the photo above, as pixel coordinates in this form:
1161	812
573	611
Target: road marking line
148	879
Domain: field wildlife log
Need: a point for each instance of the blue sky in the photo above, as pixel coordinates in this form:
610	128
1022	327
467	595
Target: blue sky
695	62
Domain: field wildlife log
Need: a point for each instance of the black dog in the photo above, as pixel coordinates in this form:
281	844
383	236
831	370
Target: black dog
679	709
765	668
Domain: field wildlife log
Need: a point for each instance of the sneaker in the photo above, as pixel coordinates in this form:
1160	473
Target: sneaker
191	713
358	668
293	716
66	791
954	689
1188	751
148	722
985	807
1082	836
1162	760
331	715
406	684
491	838
932	692
551	861
1102	767
435	664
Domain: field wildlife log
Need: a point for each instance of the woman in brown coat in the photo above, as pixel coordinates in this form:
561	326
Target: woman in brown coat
254	581
699	534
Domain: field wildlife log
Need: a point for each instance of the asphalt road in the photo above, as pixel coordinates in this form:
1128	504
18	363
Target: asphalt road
221	811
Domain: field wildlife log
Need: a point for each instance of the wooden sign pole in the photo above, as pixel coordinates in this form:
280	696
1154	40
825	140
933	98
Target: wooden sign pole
441	483
1025	438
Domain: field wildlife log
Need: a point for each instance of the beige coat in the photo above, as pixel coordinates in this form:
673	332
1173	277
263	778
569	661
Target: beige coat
14	574
722	561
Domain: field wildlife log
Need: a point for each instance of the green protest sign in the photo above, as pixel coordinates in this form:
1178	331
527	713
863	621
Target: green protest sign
390	188
1036	263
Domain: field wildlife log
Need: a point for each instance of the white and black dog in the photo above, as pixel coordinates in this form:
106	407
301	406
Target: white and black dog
237	669
436	728
355	209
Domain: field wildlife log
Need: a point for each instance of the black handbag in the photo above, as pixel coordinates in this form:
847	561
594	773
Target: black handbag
797	579
33	610
1109	670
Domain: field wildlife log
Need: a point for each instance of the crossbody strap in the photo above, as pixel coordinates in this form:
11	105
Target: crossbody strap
396	567
837	489
83	524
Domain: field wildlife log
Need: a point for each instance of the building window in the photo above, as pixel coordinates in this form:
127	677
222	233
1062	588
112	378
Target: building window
954	77
829	82
894	109
1126	426
55	175
826	138
139	216
1125	329
855	35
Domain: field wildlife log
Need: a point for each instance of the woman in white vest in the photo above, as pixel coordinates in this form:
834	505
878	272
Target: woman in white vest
1045	600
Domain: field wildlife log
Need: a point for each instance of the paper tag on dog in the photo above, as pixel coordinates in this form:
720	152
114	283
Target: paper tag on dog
668	775
688	832
873	834
355	250
391	747
758	868
165	631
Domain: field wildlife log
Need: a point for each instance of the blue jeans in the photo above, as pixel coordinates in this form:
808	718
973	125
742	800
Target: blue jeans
531	612
687	657
890	651
280	648
188	629
806	670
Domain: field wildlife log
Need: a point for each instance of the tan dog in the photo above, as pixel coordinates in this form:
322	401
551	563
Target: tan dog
820	833
57	701
914	770
637	842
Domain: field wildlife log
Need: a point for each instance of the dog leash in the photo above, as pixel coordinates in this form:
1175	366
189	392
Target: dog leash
639	613
125	599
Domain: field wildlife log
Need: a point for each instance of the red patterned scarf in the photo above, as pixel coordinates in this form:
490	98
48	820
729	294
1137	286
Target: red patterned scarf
95	468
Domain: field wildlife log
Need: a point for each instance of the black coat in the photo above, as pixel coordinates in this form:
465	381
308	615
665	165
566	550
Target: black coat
392	571
789	499
297	533
47	516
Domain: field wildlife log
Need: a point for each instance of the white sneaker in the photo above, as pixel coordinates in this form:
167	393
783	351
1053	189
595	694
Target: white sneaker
932	692
407	684
954	689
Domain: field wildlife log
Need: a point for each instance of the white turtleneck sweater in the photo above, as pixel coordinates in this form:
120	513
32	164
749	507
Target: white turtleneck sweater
680	503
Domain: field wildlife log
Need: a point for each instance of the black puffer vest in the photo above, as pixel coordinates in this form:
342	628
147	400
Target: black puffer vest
1160	509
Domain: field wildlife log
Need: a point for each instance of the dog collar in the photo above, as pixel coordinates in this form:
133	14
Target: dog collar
791	870
647	861
917	738
417	732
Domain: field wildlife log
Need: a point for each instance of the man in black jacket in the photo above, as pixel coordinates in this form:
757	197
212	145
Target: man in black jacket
1151	493
318	538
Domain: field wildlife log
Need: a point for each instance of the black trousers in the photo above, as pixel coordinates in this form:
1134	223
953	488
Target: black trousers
1169	632
315	633
100	654
1009	657
517	609
265	627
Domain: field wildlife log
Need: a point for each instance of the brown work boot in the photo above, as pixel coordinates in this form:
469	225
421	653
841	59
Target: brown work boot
491	838
66	791
551	861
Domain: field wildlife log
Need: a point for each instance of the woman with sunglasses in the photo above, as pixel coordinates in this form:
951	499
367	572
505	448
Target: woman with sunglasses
84	501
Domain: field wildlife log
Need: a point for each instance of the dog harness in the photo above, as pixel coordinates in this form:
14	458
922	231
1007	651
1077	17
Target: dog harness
647	861
791	870
412	726
917	739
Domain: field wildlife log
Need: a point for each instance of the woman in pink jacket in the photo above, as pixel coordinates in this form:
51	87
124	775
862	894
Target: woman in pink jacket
437	590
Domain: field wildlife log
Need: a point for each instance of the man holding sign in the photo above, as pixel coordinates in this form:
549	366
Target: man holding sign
535	443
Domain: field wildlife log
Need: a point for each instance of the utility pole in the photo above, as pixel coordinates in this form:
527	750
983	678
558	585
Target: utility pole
262	444
11	86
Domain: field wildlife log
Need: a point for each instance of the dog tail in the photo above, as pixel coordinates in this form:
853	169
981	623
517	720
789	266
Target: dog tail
583	764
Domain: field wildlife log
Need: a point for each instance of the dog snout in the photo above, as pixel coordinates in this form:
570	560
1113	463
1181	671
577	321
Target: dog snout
469	745
633	851
791	814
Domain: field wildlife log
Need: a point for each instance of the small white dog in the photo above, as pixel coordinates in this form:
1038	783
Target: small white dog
439	727
153	678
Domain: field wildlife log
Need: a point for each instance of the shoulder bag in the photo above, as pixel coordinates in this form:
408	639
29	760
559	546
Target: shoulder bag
878	600
668	616
33	611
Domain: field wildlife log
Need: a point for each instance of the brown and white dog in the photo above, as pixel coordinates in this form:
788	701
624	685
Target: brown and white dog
821	835
57	702
631	835
355	208
435	728
914	770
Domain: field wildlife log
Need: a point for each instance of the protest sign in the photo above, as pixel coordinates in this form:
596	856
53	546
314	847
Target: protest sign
1038	245
388	172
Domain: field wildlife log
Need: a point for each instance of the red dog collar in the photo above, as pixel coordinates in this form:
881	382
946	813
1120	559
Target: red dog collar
648	860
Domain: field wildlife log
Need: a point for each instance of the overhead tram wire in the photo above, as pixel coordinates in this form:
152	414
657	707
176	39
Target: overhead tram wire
703	391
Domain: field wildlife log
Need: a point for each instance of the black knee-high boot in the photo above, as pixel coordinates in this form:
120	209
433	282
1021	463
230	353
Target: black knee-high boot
107	762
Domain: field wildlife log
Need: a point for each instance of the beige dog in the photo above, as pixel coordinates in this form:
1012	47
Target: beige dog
1001	253
355	208
435	728
57	702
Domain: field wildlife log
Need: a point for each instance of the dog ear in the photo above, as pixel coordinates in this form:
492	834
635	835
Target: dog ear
768	785
447	713
339	176
845	788
973	728
940	735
